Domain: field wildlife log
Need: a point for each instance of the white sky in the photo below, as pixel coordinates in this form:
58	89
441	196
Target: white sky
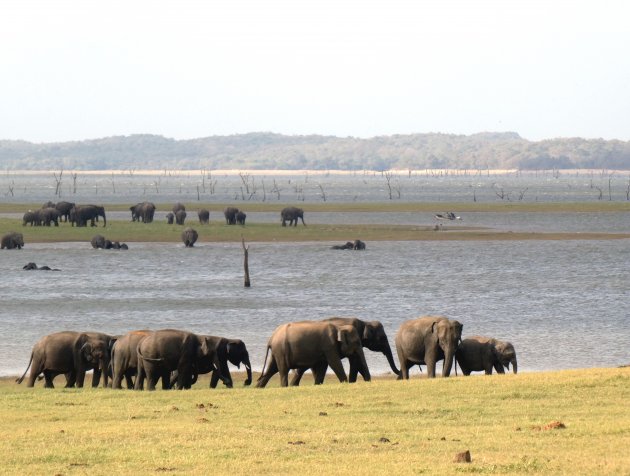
74	70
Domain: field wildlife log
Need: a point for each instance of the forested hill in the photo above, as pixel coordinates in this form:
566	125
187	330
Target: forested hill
274	151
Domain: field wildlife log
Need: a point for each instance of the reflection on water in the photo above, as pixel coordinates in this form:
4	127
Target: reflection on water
562	304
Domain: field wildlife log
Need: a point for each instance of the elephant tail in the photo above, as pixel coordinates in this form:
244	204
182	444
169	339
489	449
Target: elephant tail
262	372
19	380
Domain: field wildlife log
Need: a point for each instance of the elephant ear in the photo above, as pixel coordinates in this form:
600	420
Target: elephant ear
86	351
342	336
368	334
234	353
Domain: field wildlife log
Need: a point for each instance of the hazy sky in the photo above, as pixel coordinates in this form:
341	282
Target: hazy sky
75	70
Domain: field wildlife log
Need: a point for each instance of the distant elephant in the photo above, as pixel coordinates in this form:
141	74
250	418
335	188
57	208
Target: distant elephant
228	350
348	246
143	211
30	217
64	209
358	245
170	217
189	237
12	241
98	242
425	341
123	246
481	354
204	216
310	344
125	358
291	214
165	351
70	353
177	207
46	216
49	204
373	337
80	214
230	215
33	267
240	217
180	217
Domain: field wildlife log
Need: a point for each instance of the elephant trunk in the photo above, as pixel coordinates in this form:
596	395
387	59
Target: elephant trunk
448	362
514	365
104	220
390	359
248	367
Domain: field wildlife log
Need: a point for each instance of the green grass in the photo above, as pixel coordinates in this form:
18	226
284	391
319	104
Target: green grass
381	427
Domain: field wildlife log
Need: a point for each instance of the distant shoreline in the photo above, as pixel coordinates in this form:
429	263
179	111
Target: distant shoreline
288	172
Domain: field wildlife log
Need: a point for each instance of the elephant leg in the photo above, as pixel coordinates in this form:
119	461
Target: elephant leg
319	373
71	379
297	377
80	378
166	380
96	377
270	372
129	379
48	377
214	379
499	368
430	363
335	364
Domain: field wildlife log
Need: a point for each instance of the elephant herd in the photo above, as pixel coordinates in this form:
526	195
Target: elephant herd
52	213
178	357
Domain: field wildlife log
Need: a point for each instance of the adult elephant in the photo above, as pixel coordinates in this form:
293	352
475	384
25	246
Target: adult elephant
125	358
64	209
233	351
177	207
169	350
80	215
310	344
180	217
240	218
46	216
70	353
204	216
481	354
230	215
189	237
291	215
373	337
425	341
98	242
12	241
143	211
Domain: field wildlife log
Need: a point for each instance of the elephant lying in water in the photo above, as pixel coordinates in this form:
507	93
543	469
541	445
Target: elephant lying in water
310	344
482	354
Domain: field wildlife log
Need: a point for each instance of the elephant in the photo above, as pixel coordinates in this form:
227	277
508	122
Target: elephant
170	217
30	217
310	344
46	216
204	216
180	217
348	246
64	209
189	237
373	337
33	267
425	341
477	353
12	241
358	245
228	350
143	211
291	214
177	207
240	217
49	204
167	350
98	242
230	215
124	358
70	353
80	214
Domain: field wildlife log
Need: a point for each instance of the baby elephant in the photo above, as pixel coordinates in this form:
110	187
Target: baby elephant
477	354
12	241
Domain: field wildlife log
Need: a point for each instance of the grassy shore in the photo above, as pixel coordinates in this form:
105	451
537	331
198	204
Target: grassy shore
568	422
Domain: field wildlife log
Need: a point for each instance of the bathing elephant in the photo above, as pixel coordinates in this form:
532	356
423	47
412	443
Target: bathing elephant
46	216
373	337
240	217
64	209
189	237
204	216
310	344
124	358
233	351
425	341
98	242
230	215
291	214
180	217
165	351
170	217
70	353
358	245
143	211
12	241
481	354
80	214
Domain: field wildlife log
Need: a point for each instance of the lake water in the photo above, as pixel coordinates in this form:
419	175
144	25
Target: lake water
562	304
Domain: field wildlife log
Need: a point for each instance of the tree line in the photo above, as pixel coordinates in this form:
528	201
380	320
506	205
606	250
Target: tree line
481	151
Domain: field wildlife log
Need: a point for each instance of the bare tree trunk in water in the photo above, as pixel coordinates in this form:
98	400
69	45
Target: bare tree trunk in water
245	263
